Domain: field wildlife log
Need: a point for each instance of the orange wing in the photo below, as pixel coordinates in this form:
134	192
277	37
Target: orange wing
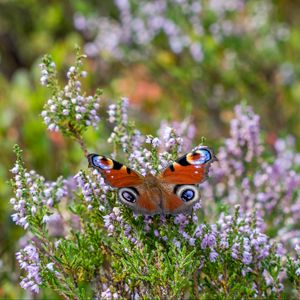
179	198
143	200
172	204
192	168
115	174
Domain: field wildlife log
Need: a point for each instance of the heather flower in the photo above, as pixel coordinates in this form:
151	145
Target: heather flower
50	266
208	240
93	189
28	259
69	110
55	225
154	141
199	230
33	193
221	7
171	141
176	243
123	134
247	258
244	131
213	256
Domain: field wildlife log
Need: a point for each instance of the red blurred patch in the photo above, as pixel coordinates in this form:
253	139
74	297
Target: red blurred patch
138	86
56	138
271	138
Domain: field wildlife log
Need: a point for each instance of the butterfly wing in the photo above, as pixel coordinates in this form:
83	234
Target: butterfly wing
132	189
179	179
179	198
115	174
145	200
191	168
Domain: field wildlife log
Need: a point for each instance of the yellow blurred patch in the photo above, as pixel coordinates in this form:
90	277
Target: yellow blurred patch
165	58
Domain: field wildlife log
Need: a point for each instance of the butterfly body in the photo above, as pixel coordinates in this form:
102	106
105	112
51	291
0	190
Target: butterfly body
172	192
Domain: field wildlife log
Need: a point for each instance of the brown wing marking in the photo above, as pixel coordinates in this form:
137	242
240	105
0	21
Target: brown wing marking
172	203
146	205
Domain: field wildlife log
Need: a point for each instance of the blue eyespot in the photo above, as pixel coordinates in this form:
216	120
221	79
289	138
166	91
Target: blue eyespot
205	156
127	195
187	192
97	161
187	195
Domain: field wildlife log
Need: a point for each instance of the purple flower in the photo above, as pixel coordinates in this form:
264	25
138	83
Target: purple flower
268	278
247	258
170	138
199	230
106	294
213	255
28	259
181	220
91	190
197	206
234	251
55	225
209	240
192	241
176	243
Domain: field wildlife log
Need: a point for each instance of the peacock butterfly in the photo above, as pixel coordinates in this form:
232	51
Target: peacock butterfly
171	192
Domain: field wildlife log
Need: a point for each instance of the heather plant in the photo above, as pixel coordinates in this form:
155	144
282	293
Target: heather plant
83	243
249	175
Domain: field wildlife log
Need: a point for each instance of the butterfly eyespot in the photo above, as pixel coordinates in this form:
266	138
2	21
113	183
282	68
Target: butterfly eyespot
128	195
102	162
187	193
199	157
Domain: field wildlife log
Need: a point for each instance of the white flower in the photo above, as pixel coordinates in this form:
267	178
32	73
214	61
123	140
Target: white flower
45	219
116	211
50	266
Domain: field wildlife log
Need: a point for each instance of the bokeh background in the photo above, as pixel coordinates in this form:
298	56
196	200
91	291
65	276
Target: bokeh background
173	59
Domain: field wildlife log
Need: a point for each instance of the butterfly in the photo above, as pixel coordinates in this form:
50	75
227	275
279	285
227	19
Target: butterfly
171	192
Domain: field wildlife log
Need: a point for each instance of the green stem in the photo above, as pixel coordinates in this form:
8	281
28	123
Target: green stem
79	139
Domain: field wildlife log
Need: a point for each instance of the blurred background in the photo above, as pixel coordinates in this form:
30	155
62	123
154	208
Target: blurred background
173	59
